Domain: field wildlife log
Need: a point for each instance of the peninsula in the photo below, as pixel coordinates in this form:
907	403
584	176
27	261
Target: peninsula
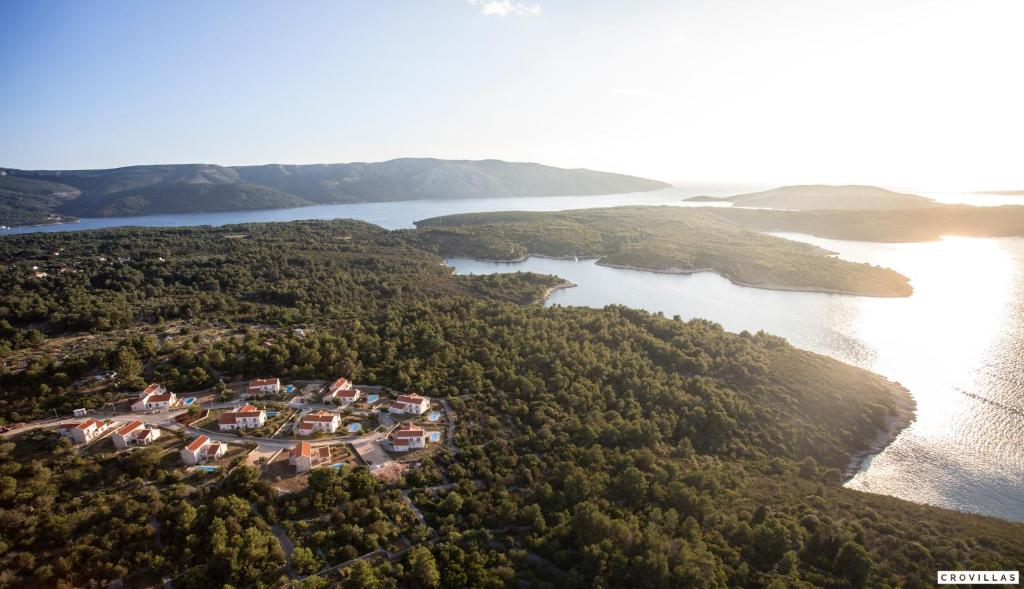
661	239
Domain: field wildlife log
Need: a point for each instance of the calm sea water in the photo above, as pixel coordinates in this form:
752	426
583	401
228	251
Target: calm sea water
957	343
402	214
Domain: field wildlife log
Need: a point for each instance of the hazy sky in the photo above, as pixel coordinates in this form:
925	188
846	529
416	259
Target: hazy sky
905	93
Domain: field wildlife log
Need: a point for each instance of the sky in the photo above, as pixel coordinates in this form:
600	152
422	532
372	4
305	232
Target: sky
913	93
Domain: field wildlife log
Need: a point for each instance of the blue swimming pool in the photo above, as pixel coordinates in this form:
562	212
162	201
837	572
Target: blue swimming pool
189	400
206	468
434	415
435	436
289	389
372	398
271	413
335	466
354	427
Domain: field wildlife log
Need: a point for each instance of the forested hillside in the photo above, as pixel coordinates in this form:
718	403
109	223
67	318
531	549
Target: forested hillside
32	196
595	447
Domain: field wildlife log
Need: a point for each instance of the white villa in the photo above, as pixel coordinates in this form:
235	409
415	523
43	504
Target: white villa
410	404
408	437
155	396
246	417
83	432
201	450
134	434
264	386
318	421
305	457
343	391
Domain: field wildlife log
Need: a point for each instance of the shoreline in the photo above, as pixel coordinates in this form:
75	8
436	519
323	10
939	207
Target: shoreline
552	290
903	415
679	271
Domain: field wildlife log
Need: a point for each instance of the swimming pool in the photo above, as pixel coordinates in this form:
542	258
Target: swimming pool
289	389
205	468
435	436
271	413
354	427
434	415
335	466
372	398
189	400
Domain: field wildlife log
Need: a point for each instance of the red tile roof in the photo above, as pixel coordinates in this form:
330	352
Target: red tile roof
160	398
303	449
260	382
212	449
342	381
408	431
197	443
129	428
226	418
319	416
412	399
152	388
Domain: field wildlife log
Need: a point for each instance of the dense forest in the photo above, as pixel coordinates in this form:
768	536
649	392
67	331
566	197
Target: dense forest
595	447
664	239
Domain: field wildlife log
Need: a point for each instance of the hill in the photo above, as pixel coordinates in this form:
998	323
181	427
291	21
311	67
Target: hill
182	197
30	201
412	178
662	239
188	188
824	197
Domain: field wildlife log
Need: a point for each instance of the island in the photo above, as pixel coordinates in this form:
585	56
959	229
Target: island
582	447
29	197
897	225
821	196
659	239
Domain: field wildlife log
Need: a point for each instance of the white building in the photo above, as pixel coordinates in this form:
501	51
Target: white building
408	437
264	386
83	432
134	434
304	457
410	404
245	417
343	391
201	450
155	396
318	421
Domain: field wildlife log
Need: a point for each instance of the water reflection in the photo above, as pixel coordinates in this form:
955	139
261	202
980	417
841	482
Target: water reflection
957	344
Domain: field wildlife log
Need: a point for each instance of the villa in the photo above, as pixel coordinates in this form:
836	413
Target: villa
264	386
343	391
318	421
410	404
134	434
201	450
245	417
83	432
154	396
304	457
408	437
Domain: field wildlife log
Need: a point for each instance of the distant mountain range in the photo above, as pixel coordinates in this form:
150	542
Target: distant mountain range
41	196
808	197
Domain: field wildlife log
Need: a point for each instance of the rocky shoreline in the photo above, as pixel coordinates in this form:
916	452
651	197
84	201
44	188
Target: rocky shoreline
900	419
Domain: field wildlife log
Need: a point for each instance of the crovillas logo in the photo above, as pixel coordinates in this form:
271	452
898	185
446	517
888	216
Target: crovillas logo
979	577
